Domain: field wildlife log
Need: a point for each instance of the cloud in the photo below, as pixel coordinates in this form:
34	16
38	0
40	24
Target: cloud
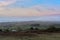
33	11
6	2
37	10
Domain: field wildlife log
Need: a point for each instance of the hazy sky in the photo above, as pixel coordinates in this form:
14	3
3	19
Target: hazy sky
22	8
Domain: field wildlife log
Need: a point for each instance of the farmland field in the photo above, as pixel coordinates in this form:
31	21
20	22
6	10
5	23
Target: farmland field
54	36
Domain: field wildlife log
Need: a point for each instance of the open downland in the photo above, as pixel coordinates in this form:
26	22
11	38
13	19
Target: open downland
53	36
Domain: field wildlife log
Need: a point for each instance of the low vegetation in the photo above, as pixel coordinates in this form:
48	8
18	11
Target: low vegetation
33	29
31	33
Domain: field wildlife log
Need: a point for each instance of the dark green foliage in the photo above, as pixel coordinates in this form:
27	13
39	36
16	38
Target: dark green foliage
31	28
52	27
0	30
36	29
19	29
6	30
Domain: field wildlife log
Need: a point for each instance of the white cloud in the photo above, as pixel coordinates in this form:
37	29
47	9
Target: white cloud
37	10
34	11
6	2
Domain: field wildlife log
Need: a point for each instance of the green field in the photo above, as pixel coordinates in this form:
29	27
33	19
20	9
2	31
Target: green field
55	36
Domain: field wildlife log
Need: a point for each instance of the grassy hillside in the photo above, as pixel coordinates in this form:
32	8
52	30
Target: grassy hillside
40	37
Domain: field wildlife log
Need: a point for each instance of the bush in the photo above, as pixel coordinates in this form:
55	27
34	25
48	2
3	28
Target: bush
0	30
6	30
31	28
50	29
36	29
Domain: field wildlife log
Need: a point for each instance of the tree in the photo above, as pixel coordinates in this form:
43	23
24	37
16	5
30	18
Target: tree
31	28
36	28
19	29
0	30
51	28
6	30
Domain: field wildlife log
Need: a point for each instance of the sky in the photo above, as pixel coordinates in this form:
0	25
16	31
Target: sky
20	10
28	8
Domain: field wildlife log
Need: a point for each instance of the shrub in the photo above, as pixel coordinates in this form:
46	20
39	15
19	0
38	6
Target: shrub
52	28
31	28
0	30
36	29
6	30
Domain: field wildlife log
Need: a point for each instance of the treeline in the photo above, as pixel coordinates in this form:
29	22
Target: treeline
51	28
34	28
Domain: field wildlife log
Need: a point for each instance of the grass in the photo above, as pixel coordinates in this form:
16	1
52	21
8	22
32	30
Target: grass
55	36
